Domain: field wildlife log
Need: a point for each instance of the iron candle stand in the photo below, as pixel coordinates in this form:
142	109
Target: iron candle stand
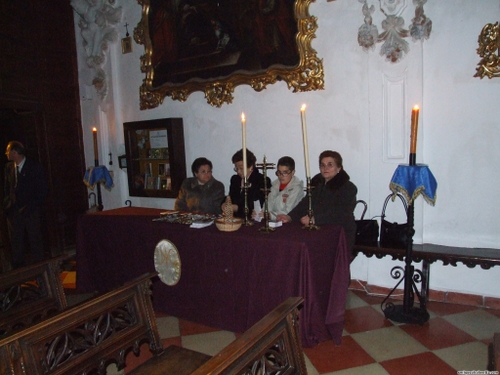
310	212
265	166
408	313
246	221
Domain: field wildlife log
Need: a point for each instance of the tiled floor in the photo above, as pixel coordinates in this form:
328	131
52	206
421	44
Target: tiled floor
456	337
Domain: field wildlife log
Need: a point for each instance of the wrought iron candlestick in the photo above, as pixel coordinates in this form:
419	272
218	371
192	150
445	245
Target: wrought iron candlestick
310	212
410	175
246	220
265	166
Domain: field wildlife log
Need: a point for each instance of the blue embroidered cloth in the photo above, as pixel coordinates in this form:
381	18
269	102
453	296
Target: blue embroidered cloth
414	180
99	174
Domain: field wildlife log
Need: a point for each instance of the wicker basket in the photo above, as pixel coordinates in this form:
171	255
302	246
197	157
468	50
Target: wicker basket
228	225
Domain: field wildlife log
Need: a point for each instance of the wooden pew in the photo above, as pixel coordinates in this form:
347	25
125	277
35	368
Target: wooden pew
272	343
30	294
87	338
494	353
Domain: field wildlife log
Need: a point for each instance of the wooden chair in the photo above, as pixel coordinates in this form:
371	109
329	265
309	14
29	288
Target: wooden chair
31	294
87	338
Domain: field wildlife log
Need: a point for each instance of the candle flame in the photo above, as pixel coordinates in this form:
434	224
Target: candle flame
303	108
242	116
415	108
94	129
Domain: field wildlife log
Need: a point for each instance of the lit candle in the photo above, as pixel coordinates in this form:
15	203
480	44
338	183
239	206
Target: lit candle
244	148
96	152
304	136
414	129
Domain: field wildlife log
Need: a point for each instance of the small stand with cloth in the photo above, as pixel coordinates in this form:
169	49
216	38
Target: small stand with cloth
410	180
96	176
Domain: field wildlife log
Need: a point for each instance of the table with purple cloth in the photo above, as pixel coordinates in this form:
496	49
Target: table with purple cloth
229	280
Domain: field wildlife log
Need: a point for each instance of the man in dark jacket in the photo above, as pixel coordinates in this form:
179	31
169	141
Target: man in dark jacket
24	194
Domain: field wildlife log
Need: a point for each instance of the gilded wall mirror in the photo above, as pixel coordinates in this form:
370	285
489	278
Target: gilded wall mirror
214	46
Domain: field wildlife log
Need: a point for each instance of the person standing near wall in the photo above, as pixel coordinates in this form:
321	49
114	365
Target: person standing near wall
25	191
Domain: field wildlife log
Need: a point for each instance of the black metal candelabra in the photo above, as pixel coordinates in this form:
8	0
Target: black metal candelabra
99	196
265	166
246	221
407	313
310	213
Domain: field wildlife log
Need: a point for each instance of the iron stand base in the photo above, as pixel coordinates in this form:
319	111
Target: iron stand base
413	315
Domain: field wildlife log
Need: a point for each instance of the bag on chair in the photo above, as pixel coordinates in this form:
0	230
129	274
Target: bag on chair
393	235
366	230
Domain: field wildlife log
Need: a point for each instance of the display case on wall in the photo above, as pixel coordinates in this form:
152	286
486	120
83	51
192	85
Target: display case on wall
156	161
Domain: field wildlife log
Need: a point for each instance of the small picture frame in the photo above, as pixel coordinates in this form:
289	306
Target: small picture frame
122	161
126	45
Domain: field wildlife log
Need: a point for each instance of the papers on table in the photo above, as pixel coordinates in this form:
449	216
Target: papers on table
275	224
201	224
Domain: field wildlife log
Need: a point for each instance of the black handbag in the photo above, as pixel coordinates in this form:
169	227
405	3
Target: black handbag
393	235
366	230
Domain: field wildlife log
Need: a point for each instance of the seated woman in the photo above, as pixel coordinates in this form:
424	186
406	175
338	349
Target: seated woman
201	193
255	184
286	191
333	198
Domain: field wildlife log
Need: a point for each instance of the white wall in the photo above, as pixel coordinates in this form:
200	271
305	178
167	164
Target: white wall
459	129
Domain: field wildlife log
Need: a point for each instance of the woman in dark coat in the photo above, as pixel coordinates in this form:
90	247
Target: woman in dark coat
333	198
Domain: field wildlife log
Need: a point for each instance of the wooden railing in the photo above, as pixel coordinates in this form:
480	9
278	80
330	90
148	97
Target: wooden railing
87	338
30	294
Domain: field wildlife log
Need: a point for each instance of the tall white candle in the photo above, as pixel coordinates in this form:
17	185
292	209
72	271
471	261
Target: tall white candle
304	137
244	147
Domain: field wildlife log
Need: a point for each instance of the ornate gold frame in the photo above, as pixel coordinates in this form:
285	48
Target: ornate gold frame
307	75
489	47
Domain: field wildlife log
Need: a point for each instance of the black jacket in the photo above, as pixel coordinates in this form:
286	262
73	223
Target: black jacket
255	192
332	203
31	188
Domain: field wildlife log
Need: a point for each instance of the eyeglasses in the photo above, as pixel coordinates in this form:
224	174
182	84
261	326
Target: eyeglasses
205	172
284	173
327	165
237	169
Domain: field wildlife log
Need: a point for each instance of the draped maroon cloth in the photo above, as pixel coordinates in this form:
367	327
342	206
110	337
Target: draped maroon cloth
229	280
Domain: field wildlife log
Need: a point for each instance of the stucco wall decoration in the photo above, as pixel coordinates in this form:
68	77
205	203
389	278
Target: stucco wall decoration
394	46
97	22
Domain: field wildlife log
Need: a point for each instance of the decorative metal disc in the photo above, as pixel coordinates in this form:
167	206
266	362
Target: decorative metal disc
167	262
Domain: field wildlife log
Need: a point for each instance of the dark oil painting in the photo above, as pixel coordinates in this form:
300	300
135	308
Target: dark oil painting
209	39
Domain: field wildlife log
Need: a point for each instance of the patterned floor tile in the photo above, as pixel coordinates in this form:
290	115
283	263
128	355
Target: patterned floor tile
327	357
478	323
208	343
388	343
437	333
471	356
364	319
419	364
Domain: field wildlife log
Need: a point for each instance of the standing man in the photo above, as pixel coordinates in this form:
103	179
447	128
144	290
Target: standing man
24	194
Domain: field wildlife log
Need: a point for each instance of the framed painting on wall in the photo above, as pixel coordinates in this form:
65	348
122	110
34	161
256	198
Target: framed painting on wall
214	46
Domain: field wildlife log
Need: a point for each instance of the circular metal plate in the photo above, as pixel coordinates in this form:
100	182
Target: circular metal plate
167	262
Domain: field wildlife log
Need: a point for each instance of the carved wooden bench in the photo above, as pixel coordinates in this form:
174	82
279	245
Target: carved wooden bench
430	253
87	338
30	294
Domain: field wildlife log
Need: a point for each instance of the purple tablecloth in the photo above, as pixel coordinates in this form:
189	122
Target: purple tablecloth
229	280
